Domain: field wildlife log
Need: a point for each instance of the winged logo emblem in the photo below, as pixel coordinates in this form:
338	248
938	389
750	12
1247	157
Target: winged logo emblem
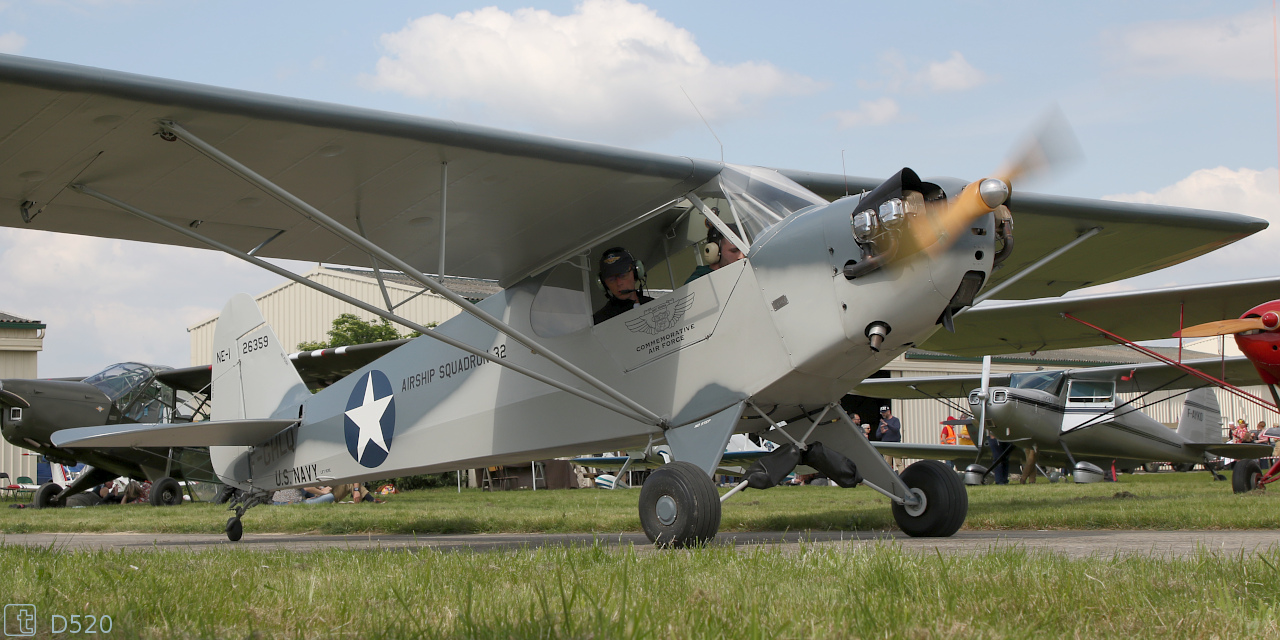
661	317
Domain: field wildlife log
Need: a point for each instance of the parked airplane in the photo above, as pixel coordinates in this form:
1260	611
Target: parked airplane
830	289
1075	417
1257	334
31	410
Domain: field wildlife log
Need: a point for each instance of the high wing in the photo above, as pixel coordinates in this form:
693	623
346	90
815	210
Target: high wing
1012	327
1142	377
318	369
1132	239
517	203
245	433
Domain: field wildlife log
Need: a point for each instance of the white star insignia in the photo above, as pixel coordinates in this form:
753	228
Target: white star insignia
368	416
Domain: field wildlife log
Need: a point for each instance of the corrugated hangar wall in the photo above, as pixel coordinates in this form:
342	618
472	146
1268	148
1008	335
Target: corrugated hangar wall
18	350
299	314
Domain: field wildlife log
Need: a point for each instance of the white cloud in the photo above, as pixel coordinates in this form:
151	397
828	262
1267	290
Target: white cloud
1245	191
868	113
1237	47
12	42
953	74
609	69
108	301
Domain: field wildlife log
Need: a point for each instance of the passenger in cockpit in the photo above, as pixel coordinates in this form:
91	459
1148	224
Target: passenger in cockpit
719	251
623	279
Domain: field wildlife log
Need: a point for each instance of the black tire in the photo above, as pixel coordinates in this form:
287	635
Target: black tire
166	492
689	503
235	529
1151	467
1183	467
946	502
1245	475
44	497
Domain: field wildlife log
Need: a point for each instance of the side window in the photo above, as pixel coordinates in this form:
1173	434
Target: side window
1090	392
563	302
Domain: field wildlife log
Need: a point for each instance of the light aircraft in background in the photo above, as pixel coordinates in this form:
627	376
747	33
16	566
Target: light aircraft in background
1075	418
1257	334
31	410
830	290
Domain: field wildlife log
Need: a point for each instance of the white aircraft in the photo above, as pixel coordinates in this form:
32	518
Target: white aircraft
831	288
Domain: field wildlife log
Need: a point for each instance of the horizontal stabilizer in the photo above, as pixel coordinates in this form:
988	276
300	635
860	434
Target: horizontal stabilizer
244	433
1240	450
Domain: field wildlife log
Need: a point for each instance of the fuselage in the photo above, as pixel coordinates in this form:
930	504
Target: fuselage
1098	434
783	327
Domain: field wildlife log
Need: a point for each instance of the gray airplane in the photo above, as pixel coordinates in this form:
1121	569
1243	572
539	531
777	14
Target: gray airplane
1076	417
830	288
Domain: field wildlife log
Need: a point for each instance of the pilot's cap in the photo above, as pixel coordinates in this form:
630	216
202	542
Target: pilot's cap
616	262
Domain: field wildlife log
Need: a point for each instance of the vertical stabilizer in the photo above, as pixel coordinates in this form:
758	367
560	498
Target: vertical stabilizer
1201	419
252	379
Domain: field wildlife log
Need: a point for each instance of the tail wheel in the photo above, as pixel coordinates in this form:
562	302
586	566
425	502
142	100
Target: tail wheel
235	529
1245	475
44	497
679	506
943	501
166	492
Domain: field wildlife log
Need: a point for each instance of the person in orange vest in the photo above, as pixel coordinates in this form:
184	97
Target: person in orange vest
948	437
948	432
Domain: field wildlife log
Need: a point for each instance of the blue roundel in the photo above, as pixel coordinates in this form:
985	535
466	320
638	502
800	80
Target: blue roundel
370	419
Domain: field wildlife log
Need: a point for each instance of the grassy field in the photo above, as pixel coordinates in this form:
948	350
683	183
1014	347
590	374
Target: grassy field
597	592
1154	501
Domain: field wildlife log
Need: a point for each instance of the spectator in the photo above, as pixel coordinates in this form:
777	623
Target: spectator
999	471
890	430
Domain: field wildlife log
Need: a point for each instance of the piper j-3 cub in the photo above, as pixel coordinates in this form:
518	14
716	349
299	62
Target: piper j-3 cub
829	291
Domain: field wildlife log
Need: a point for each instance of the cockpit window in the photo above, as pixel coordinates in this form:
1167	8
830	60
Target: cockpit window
1048	381
760	198
1091	391
563	302
119	380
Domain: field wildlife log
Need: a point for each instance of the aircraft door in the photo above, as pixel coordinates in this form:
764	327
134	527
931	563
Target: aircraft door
1089	402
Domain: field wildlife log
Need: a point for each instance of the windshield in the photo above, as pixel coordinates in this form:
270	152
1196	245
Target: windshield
1040	380
118	380
760	198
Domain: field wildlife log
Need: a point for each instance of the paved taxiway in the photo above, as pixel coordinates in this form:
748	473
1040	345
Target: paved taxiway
1075	544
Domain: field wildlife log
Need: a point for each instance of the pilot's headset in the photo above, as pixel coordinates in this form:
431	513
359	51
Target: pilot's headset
615	261
711	250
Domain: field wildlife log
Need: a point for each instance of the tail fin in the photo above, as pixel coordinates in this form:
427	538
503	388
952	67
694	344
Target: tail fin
252	379
1201	420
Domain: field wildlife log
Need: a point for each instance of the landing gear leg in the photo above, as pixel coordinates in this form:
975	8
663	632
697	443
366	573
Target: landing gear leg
240	505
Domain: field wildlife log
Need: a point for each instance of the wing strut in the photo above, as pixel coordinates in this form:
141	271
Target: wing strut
625	411
1036	265
316	216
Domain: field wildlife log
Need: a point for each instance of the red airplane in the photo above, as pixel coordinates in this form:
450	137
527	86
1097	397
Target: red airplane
1257	333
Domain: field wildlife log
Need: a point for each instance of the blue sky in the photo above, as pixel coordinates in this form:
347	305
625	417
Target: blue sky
1172	102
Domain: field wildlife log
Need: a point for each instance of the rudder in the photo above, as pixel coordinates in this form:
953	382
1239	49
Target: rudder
252	379
1201	419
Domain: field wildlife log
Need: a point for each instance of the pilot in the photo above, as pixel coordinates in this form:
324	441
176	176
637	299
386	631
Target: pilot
719	251
623	280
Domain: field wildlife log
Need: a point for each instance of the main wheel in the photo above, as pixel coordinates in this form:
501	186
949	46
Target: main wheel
166	492
44	497
679	506
235	529
1245	475
944	502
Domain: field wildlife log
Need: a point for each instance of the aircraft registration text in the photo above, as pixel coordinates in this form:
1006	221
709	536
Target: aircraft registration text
296	475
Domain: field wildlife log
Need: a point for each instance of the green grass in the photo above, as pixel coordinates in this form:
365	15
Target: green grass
1160	501
827	591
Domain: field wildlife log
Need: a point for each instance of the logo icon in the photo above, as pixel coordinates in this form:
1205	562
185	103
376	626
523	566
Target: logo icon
370	419
19	619
661	317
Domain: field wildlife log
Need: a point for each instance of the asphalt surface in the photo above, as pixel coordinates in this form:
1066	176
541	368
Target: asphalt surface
1074	544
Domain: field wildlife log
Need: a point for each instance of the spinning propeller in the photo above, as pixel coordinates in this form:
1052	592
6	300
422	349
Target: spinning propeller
1051	146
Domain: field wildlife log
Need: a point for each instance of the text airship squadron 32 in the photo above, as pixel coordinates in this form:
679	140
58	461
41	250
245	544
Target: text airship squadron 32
828	291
